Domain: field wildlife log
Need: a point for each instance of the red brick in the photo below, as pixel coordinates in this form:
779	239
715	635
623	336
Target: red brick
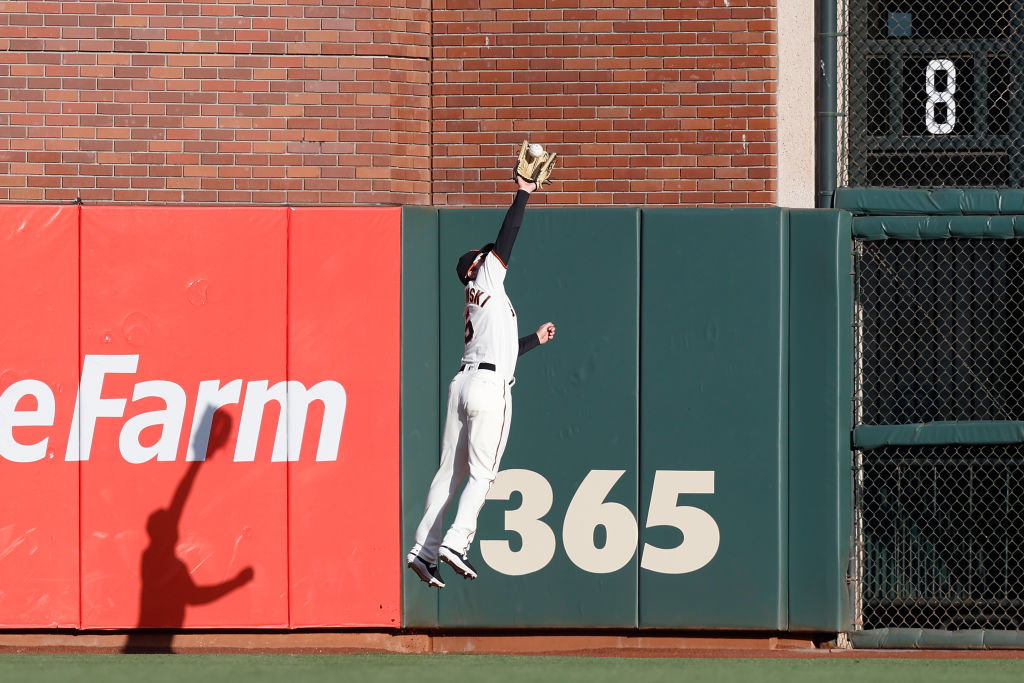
643	76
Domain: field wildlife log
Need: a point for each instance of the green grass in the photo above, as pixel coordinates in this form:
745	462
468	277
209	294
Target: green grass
492	669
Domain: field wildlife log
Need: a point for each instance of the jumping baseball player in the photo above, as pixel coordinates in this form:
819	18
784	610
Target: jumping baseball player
479	402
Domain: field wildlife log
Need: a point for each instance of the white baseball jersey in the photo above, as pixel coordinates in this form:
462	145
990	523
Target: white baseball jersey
492	329
479	403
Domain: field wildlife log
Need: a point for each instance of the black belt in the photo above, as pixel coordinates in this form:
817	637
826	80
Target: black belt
480	366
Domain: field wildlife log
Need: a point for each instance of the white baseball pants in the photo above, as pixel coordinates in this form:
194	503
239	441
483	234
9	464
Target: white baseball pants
475	434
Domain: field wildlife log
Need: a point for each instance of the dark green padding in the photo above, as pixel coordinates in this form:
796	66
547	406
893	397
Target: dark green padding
420	382
874	201
937	227
714	398
820	381
867	437
575	407
936	639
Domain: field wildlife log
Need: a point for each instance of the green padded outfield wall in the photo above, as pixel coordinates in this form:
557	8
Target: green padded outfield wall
714	428
820	418
679	454
420	413
574	413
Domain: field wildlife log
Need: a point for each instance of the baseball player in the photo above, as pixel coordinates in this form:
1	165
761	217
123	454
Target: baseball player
479	402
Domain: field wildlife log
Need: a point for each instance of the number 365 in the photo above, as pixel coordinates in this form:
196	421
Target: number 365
589	510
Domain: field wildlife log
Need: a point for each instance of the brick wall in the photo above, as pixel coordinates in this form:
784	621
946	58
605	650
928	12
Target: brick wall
656	102
653	102
249	102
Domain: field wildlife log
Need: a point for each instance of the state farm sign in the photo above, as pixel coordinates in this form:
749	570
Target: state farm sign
91	405
220	370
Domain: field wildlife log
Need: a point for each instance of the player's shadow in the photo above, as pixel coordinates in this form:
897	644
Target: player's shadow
167	585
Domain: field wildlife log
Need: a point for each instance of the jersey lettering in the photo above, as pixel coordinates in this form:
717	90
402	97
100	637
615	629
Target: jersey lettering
473	296
491	333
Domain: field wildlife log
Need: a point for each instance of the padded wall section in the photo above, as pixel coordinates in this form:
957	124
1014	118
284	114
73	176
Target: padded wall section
216	495
420	387
942	201
556	539
38	376
344	282
820	390
714	326
183	310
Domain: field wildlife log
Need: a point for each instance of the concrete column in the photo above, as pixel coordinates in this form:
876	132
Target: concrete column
796	103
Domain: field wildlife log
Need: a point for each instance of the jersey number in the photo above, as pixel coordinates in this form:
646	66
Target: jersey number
469	327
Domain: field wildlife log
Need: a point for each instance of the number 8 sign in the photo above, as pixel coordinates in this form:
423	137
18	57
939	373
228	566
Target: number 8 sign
589	510
943	97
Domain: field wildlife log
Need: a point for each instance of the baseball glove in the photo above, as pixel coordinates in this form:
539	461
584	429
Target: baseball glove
534	164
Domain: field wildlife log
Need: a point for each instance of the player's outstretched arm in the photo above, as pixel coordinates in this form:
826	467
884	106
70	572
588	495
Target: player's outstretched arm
513	219
544	334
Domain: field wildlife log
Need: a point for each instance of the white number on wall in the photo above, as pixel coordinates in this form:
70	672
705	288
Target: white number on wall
538	538
589	510
943	97
700	531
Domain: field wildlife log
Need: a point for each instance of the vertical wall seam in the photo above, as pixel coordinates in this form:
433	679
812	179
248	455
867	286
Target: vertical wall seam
401	413
638	224
78	388
785	340
440	404
287	376
841	409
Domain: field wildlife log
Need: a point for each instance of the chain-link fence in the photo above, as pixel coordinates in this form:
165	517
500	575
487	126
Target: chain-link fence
942	537
931	89
941	331
940	529
929	95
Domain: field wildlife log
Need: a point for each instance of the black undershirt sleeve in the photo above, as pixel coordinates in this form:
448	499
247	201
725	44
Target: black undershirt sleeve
528	342
510	226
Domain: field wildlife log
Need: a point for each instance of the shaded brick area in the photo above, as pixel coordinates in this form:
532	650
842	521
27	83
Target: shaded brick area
245	102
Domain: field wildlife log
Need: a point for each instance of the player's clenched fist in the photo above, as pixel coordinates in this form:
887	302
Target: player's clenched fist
545	332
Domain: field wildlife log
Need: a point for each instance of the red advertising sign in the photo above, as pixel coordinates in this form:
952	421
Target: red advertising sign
183	320
344	310
199	417
38	376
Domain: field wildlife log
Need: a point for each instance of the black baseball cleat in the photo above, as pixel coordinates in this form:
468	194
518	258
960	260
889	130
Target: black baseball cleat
428	573
458	561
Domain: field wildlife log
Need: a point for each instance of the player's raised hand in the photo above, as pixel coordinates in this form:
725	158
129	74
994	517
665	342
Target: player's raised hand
525	185
546	332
